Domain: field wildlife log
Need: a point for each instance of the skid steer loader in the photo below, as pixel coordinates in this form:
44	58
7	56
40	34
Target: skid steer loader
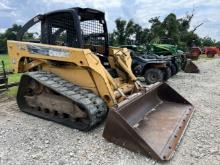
74	78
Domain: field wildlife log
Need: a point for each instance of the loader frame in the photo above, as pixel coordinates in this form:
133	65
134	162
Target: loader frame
77	54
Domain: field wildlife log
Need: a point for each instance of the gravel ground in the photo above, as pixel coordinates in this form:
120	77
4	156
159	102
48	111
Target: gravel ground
25	139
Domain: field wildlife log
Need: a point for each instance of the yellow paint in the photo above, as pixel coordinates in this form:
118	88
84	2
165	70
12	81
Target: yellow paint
79	66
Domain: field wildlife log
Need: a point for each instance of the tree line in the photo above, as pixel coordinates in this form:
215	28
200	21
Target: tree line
129	32
11	34
176	29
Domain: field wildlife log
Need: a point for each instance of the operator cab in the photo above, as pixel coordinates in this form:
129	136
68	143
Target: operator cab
74	27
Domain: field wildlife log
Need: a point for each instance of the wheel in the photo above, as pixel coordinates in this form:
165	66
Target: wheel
153	75
210	54
167	73
184	64
177	67
173	69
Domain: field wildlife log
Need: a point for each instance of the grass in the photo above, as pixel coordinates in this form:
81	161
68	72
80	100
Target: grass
11	77
12	92
5	58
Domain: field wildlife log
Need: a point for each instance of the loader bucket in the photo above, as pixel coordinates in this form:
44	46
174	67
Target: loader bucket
190	67
152	123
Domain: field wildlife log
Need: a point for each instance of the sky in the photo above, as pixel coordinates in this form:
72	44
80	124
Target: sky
206	11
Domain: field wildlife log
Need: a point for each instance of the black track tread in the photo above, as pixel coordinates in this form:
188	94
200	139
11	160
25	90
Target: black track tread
95	107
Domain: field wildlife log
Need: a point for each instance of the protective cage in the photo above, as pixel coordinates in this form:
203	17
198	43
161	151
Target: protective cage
74	27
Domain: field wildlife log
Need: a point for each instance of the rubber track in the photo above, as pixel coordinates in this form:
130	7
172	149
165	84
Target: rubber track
93	104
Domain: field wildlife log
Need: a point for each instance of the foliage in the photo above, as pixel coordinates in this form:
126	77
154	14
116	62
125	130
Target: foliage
177	29
217	44
12	77
11	34
207	41
129	32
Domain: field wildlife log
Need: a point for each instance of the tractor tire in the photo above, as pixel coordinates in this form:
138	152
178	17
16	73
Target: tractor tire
210	54
173	69
167	73
153	75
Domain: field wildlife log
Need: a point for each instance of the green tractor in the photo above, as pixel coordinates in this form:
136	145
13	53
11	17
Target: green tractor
178	57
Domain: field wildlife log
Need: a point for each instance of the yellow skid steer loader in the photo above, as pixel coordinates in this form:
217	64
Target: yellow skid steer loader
72	76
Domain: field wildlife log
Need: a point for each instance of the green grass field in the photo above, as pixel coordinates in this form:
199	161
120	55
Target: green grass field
12	77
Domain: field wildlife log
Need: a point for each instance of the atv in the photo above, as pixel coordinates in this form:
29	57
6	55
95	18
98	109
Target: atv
152	67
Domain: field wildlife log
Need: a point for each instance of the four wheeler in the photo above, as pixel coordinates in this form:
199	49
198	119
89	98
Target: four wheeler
152	68
74	78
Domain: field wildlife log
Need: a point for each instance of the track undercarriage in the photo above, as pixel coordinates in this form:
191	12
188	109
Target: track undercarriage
48	96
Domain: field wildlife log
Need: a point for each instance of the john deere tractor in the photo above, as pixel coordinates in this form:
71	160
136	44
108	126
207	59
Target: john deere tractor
178	57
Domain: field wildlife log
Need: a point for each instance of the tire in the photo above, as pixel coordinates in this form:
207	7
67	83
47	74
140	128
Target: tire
184	62
183	65
210	54
153	75
173	69
167	73
177	67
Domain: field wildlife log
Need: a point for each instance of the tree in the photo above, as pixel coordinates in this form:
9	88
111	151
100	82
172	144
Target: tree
11	34
123	31
3	45
208	41
141	35
156	30
217	44
170	28
128	32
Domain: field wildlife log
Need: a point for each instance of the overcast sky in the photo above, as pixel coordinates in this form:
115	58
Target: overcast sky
206	11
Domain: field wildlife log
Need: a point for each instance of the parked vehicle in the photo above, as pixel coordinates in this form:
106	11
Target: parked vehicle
150	66
212	51
194	53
